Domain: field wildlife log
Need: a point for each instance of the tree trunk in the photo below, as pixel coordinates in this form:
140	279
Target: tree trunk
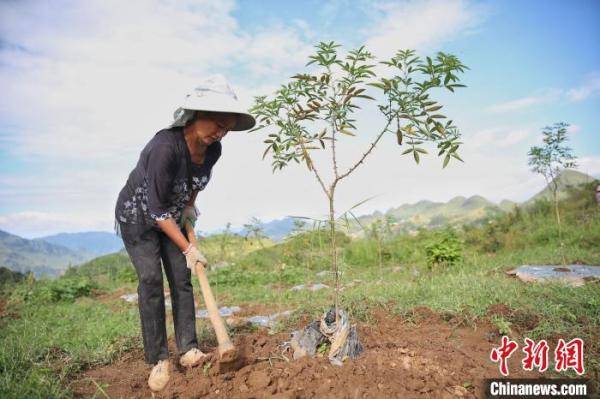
379	257
334	262
557	213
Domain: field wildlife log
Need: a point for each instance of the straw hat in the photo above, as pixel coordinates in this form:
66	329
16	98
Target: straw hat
214	95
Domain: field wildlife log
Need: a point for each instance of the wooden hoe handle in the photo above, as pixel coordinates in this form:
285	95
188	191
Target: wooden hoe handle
227	351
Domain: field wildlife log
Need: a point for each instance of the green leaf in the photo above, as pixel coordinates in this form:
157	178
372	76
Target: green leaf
455	155
378	85
432	109
266	152
407	151
421	150
446	160
438	116
347	132
365	96
399	136
416	155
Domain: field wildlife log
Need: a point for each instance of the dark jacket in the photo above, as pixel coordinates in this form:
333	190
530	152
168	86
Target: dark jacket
163	181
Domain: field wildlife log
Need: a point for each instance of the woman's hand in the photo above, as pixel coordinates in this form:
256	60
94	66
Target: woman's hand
189	214
193	256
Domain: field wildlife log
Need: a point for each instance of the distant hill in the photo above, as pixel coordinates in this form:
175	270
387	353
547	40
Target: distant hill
277	229
429	214
40	257
567	179
94	243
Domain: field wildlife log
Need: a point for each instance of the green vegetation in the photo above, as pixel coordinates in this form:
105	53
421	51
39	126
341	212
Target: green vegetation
51	330
446	249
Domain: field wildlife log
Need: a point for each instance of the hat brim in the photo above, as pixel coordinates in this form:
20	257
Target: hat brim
244	122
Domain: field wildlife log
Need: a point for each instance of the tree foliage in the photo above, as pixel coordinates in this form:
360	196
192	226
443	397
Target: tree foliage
554	155
550	160
316	108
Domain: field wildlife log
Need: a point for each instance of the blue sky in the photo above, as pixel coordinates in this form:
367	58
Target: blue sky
86	84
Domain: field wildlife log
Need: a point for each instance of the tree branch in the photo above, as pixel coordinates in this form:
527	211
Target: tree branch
312	167
361	160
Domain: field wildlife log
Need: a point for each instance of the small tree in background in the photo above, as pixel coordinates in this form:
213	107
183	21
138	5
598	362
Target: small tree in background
317	108
380	230
255	229
549	160
224	241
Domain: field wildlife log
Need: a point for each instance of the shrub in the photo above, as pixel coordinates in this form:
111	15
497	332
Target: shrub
446	249
62	289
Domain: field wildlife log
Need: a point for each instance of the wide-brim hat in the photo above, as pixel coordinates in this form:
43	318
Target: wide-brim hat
213	95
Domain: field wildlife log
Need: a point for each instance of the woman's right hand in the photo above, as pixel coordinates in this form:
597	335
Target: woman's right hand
193	256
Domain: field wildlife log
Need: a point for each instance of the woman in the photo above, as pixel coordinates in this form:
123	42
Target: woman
158	197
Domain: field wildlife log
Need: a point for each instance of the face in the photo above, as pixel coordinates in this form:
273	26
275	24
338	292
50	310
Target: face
210	130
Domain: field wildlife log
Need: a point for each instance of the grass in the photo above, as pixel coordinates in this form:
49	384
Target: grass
61	327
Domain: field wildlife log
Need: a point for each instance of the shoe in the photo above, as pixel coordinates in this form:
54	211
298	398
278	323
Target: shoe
159	376
192	357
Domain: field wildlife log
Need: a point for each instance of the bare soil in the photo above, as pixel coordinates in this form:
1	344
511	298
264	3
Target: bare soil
423	356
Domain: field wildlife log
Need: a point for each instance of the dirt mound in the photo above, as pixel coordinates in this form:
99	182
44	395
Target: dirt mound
401	359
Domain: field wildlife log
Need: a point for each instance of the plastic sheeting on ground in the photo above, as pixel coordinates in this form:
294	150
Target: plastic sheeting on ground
575	275
314	287
132	298
268	321
224	311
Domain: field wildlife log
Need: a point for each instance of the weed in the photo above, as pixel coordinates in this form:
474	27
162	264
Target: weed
502	325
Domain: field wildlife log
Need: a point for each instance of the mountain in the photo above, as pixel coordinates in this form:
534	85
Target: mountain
461	210
428	214
92	243
568	178
275	229
40	257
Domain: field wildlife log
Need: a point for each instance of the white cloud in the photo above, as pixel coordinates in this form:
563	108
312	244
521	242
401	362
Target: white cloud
547	96
499	137
589	88
421	25
92	79
589	165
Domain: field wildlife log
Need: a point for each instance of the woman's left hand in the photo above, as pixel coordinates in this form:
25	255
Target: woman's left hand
189	214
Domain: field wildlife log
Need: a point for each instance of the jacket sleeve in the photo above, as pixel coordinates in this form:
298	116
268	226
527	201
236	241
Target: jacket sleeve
161	170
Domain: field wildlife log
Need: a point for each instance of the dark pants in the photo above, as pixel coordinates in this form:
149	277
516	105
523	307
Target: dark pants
146	252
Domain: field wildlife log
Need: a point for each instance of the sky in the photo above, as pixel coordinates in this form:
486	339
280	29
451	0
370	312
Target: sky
86	84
